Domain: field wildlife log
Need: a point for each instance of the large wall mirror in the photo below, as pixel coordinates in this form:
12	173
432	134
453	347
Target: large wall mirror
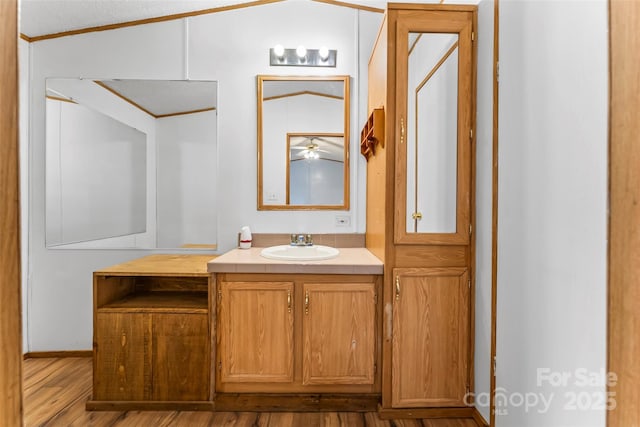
303	143
131	164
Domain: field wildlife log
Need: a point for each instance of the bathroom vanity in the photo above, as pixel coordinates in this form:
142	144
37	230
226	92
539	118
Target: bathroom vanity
238	332
310	328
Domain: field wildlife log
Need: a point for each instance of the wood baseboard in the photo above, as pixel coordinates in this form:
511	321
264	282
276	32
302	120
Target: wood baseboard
59	354
234	402
479	419
97	405
392	414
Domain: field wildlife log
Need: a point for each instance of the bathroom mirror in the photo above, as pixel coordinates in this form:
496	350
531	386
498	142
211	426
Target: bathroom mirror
303	143
131	164
432	132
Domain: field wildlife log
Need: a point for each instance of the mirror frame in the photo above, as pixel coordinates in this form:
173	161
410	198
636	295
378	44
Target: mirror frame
347	108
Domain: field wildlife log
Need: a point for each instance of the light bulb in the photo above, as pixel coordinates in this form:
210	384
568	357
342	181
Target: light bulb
301	51
324	53
278	50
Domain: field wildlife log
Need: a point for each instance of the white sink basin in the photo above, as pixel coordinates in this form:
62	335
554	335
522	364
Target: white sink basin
300	253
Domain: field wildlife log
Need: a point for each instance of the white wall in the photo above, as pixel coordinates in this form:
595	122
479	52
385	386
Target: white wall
244	37
231	48
552	212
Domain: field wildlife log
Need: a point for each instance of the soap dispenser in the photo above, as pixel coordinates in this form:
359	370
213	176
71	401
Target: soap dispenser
245	237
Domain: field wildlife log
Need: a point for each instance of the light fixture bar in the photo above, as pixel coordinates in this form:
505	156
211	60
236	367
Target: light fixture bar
312	58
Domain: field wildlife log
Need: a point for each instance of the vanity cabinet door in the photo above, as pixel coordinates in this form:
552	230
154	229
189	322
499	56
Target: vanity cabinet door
430	337
256	332
120	364
339	333
151	357
180	357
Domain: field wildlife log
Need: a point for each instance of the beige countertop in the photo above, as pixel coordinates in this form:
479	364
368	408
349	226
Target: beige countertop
161	265
349	261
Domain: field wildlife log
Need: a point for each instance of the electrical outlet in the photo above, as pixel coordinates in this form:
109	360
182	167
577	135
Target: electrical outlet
272	197
343	220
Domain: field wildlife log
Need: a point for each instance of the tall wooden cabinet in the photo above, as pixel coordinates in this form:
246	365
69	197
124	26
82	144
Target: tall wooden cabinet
420	205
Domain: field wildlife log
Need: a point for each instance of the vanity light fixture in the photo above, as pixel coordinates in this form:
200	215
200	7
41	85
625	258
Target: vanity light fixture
324	53
278	50
302	57
301	51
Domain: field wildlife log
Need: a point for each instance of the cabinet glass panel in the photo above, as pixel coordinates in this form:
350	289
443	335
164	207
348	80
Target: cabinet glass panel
432	132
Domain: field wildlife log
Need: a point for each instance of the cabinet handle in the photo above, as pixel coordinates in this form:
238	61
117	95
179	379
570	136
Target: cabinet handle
401	130
289	301
306	302
397	288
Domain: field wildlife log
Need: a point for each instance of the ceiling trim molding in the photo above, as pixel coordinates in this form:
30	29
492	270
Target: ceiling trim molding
176	16
351	5
148	20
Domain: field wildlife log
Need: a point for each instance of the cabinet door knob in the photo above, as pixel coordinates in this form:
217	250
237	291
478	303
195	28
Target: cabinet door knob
401	130
289	301
397	288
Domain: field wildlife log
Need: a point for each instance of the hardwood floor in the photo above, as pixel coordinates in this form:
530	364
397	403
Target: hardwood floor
56	390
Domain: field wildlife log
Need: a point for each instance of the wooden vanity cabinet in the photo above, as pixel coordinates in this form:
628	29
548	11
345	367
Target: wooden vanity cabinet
297	333
152	346
151	357
255	332
338	333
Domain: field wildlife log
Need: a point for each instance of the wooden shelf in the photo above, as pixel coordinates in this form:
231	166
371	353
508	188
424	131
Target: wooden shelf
139	302
372	133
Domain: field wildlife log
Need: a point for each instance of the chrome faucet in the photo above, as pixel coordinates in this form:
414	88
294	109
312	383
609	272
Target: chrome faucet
301	240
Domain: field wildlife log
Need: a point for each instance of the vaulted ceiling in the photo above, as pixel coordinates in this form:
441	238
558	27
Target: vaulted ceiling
43	17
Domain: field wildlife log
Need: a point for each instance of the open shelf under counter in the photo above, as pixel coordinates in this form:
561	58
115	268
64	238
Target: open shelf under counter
159	302
169	283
